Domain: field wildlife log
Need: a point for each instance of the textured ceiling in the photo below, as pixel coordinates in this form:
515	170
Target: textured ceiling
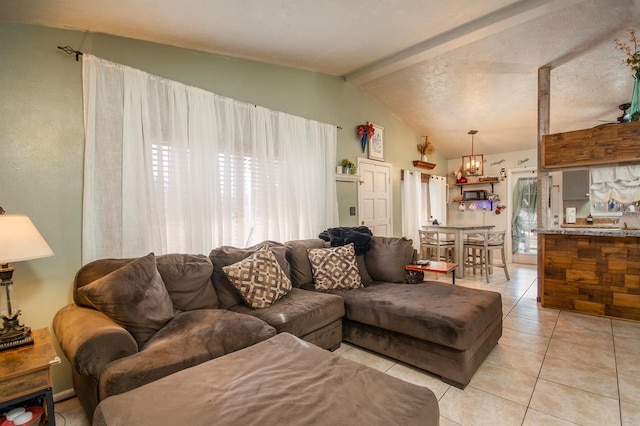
442	67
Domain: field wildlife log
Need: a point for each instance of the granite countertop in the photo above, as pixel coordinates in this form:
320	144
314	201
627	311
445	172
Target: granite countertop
604	231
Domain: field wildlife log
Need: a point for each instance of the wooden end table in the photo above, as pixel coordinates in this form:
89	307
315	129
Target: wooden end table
435	266
24	372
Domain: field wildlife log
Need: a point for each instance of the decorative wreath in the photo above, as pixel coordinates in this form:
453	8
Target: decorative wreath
365	132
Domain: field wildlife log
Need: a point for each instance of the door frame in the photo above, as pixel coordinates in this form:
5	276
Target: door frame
362	160
510	185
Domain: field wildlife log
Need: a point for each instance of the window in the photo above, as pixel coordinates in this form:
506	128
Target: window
614	190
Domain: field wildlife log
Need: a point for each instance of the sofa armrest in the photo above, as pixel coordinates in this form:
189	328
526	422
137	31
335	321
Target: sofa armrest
90	339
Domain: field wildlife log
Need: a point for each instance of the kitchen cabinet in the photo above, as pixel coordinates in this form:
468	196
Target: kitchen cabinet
575	185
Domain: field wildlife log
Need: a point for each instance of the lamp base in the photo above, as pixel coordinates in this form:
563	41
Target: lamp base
13	334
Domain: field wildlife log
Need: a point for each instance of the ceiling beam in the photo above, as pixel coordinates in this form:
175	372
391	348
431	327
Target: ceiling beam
502	19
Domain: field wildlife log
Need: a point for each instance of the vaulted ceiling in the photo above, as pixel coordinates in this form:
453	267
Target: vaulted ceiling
443	67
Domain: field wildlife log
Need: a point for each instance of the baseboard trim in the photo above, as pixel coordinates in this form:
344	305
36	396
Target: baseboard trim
65	394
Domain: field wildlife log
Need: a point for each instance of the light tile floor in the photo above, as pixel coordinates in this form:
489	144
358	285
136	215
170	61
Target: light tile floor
550	367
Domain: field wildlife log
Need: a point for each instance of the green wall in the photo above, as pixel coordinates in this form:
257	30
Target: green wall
41	138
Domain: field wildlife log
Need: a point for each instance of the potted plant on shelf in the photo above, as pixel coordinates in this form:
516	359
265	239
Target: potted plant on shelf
426	148
348	167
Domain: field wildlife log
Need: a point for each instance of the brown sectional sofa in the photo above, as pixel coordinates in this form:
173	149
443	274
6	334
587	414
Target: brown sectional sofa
444	329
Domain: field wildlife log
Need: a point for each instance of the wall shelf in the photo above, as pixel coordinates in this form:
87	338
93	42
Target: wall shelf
475	201
423	164
348	178
489	182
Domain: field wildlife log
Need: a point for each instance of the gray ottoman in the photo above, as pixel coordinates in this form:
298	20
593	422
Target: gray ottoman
280	381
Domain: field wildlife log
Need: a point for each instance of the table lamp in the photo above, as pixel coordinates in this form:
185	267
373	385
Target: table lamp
19	240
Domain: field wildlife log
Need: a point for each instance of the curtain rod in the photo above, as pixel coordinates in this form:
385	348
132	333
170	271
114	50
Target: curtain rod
70	51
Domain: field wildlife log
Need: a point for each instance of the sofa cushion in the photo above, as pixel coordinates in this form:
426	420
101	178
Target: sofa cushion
298	259
188	339
387	258
300	267
362	270
193	291
133	296
299	312
228	296
334	268
259	279
441	313
187	278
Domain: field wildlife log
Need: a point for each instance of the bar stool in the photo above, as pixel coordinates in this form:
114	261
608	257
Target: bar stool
436	241
478	247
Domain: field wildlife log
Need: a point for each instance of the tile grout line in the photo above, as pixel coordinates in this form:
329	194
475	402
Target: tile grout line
545	354
555	324
583	390
519	299
615	361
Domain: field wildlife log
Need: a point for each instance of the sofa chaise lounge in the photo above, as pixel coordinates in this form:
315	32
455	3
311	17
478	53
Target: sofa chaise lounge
445	329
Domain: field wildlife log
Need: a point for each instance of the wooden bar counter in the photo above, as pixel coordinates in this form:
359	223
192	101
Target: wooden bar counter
591	270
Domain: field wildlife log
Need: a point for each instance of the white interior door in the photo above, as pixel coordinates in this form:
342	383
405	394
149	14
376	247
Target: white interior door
374	197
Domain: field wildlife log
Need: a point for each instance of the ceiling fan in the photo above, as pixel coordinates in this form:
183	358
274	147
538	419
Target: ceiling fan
624	118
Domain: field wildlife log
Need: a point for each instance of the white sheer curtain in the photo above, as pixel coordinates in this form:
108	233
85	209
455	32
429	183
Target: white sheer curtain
173	168
412	206
438	198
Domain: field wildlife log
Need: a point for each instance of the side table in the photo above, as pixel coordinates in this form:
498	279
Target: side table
24	372
435	266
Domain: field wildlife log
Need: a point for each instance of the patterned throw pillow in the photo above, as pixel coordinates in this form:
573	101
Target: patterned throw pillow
335	268
259	279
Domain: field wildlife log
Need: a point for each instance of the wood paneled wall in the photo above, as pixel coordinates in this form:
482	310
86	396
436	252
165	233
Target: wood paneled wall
592	274
600	145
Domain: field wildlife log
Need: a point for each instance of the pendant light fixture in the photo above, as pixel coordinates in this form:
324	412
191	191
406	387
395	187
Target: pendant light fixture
473	165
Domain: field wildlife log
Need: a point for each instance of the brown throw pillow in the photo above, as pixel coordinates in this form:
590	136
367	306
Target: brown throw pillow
387	258
335	268
133	296
187	278
259	279
298	258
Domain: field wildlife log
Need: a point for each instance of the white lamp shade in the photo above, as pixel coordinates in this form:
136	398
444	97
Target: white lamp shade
20	240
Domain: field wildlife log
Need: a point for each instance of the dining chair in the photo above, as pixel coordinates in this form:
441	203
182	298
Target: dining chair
478	247
436	245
